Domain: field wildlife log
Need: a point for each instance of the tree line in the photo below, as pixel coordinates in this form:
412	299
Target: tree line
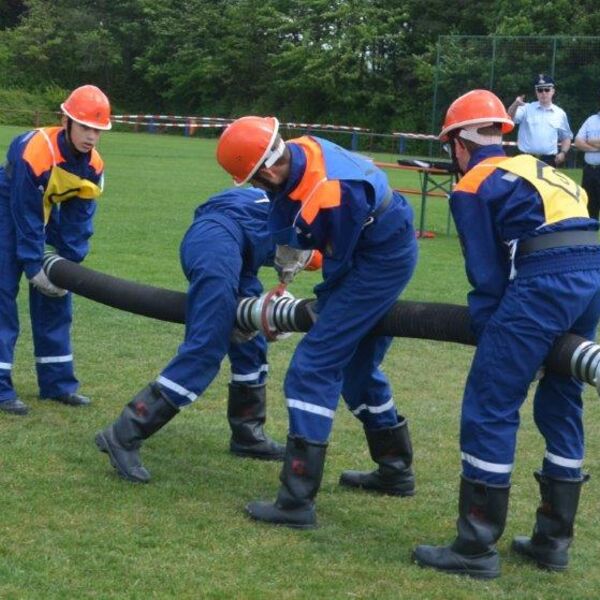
369	63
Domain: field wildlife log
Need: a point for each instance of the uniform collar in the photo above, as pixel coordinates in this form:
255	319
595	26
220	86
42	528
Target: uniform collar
485	152
297	167
539	106
67	150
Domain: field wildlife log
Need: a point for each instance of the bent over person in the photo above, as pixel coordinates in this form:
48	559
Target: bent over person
48	187
326	198
533	260
221	254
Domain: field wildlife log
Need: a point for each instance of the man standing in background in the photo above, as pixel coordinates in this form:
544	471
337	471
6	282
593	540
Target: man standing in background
588	140
543	126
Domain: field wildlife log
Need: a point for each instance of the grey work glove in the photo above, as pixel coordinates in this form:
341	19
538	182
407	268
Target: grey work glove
41	282
289	262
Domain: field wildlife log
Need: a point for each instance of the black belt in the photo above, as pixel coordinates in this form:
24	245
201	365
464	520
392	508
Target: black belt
387	199
558	239
588	166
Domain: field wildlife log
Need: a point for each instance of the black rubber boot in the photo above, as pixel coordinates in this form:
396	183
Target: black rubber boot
391	449
300	481
247	413
554	522
147	412
482	513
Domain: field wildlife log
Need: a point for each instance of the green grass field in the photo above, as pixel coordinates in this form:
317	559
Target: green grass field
69	528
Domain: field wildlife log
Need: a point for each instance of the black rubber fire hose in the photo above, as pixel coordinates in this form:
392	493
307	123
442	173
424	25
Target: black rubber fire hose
424	320
571	355
137	298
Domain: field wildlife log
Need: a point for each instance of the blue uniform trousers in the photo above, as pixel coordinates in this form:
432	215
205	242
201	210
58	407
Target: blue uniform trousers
532	314
211	257
337	356
50	322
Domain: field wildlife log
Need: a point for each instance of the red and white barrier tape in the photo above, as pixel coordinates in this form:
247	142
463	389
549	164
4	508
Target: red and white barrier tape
163	121
160	125
170	117
220	122
428	136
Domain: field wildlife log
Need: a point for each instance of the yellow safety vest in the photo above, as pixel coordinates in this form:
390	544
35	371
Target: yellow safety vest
561	196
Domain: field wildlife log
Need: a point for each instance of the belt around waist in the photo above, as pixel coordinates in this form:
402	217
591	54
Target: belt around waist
558	239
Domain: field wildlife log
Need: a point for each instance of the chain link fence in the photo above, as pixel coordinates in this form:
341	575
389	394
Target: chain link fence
508	65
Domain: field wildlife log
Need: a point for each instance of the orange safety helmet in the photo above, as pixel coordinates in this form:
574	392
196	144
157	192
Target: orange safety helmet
88	105
475	108
246	145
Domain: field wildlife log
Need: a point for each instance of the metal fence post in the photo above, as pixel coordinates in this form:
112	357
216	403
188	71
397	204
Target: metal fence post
435	95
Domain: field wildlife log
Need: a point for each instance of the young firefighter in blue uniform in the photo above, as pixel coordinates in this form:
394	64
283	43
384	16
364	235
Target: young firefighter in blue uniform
48	188
533	259
327	198
221	254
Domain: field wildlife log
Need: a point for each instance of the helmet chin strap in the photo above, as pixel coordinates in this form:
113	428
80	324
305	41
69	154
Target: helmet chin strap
472	134
455	164
269	186
68	136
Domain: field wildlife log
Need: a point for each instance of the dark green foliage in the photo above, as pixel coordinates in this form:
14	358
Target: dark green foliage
10	12
20	107
367	63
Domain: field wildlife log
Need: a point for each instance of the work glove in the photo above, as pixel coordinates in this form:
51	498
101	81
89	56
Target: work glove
241	337
290	261
41	283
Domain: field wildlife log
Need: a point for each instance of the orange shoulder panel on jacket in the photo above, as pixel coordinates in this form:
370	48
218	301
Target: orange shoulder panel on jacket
471	181
42	151
96	161
315	191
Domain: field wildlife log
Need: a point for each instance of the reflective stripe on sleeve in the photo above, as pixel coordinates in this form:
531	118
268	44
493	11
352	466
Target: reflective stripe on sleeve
7	366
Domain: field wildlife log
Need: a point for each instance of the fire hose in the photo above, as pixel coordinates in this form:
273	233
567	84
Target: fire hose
571	355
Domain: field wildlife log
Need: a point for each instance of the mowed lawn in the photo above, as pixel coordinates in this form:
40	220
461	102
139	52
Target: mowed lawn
69	528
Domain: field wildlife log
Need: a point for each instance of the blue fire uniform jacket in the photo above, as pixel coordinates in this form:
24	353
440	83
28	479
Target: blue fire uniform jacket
221	254
520	304
47	196
341	204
